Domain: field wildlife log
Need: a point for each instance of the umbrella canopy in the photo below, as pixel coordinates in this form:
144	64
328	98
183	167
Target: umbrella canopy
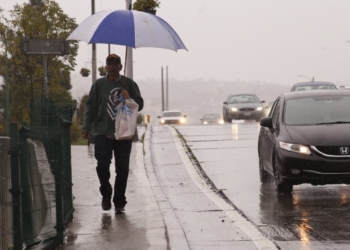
129	28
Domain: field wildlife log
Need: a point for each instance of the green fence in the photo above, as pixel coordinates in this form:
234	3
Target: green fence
6	239
41	180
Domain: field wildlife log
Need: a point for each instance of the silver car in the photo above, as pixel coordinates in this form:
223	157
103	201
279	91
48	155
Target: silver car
172	117
212	119
243	106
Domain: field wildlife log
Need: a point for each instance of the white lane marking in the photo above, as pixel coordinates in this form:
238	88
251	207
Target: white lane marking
257	237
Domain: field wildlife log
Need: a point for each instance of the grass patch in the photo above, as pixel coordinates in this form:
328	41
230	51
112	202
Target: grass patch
143	143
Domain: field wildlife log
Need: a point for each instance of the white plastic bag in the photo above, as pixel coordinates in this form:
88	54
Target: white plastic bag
126	119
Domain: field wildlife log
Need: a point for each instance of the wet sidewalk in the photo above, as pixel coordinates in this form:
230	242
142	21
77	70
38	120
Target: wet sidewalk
142	225
166	210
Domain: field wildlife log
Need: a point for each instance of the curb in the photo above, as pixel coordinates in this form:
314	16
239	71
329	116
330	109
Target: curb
175	235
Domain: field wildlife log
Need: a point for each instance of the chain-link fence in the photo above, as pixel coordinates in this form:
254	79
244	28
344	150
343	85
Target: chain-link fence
6	240
36	181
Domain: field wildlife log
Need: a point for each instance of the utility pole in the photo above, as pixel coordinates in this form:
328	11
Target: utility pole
7	89
167	90
129	59
93	63
46	88
162	89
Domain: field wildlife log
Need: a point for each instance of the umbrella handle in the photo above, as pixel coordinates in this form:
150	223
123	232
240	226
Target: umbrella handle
126	56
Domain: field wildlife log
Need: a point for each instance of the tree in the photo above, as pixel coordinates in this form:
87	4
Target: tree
2	113
146	5
40	19
81	108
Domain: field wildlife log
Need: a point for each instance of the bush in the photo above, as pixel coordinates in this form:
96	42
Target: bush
75	132
140	118
2	130
142	5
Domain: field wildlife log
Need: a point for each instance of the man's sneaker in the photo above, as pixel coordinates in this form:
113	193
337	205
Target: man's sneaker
119	210
106	202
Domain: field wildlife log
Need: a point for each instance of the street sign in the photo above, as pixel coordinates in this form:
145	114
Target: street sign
45	47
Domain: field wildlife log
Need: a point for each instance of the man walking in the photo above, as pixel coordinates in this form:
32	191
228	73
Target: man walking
99	121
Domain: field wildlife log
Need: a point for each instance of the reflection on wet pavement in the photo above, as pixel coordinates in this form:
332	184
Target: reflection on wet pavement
308	214
91	151
312	217
139	228
106	221
234	132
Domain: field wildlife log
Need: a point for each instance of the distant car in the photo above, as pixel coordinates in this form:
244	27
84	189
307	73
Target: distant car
304	86
172	117
243	106
306	139
212	119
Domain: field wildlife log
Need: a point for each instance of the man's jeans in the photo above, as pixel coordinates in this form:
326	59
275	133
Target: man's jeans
104	147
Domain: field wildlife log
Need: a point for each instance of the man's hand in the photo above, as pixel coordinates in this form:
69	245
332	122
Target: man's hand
125	94
86	135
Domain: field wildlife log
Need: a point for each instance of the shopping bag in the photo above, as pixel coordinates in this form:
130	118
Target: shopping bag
126	119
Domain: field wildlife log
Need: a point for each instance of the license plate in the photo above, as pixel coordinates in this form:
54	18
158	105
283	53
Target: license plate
246	113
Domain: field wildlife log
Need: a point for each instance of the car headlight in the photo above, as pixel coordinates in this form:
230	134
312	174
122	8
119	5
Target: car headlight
221	122
259	109
234	109
205	122
297	148
182	120
162	121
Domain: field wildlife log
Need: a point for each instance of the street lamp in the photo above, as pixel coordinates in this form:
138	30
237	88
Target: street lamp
310	78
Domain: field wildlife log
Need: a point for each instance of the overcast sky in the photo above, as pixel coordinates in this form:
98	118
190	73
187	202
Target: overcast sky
265	40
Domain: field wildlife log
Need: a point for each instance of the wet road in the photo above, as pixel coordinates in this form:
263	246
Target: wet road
312	217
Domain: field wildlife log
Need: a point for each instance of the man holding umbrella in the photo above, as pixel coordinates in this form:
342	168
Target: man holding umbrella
99	121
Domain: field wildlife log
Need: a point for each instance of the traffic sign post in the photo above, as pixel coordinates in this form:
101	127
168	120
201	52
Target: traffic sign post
45	47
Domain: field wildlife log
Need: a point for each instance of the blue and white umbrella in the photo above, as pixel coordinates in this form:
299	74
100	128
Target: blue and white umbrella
129	28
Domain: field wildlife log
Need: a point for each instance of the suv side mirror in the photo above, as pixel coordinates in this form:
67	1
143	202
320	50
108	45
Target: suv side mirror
225	102
185	115
158	116
262	101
